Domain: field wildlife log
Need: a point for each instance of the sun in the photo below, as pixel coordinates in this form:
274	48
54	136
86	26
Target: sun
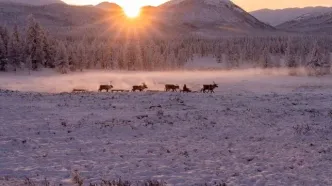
131	11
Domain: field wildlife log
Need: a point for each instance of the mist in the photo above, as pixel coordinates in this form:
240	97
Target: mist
256	80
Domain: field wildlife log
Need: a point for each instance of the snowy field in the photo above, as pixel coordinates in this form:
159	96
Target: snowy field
260	128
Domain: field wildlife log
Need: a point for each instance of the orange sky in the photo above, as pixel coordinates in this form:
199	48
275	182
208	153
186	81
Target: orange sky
248	5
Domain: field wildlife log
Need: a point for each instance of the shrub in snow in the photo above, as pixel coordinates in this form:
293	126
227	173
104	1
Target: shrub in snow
76	178
302	129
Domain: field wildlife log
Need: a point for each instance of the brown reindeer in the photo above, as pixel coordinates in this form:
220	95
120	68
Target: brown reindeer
139	87
105	87
171	87
209	88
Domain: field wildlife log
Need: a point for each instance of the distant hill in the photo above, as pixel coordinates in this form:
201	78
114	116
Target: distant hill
279	16
33	2
319	22
50	16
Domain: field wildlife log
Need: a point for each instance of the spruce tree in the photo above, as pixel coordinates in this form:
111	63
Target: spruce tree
34	43
15	49
62	62
318	63
4	43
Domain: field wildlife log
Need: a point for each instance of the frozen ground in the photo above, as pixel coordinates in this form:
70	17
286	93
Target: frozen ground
257	129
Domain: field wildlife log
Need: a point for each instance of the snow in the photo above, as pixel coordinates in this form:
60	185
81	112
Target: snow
260	128
309	15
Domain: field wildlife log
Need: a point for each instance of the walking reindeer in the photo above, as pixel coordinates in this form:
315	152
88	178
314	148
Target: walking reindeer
139	87
209	88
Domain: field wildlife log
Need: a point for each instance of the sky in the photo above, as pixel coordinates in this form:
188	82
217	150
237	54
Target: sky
248	5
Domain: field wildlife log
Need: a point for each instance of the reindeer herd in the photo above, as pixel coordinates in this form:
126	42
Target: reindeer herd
168	88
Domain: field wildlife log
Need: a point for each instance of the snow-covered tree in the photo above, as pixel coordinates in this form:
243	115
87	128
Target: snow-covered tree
291	57
49	51
265	58
319	61
4	44
15	49
62	62
34	43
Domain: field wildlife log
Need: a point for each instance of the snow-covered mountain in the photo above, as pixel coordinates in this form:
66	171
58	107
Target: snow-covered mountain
33	2
52	17
216	14
279	16
205	17
319	22
108	6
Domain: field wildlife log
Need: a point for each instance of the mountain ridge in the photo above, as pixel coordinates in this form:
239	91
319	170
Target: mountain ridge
318	22
207	17
276	17
217	13
33	2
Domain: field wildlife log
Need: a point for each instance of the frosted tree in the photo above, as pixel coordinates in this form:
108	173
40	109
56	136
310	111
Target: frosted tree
34	43
4	41
81	57
62	62
319	63
130	57
48	49
28	63
15	49
265	59
121	60
291	58
72	58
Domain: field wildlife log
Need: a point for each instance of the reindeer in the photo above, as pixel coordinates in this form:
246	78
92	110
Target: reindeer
139	87
209	88
105	87
186	89
171	87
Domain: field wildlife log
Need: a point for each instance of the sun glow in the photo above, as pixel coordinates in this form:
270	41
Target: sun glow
132	11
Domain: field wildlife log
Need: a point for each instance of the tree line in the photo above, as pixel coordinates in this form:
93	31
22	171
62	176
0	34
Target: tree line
34	48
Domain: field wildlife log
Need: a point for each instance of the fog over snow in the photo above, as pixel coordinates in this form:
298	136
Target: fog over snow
253	79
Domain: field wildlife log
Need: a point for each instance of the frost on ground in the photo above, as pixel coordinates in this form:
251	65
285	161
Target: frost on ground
256	130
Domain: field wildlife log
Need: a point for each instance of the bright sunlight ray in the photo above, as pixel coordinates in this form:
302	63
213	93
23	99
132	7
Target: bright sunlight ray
132	11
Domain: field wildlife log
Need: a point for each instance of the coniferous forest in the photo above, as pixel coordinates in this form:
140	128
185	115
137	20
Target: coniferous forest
34	48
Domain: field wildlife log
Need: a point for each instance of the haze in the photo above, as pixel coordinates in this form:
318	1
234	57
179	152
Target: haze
248	5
